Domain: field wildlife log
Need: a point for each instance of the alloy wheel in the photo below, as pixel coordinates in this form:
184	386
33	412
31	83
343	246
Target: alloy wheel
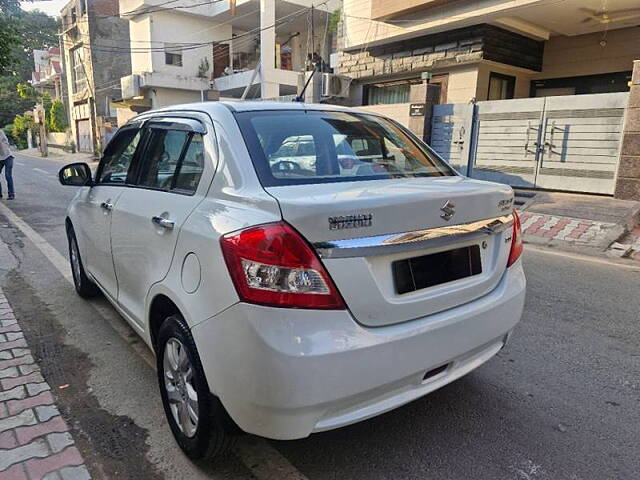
179	385
75	260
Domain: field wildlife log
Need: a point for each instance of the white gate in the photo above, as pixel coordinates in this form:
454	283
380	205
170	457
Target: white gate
565	143
451	133
83	128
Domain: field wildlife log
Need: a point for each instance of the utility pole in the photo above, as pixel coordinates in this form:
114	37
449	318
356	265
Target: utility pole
313	35
41	120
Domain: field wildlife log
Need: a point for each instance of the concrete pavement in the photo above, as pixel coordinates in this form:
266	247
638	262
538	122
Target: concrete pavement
560	402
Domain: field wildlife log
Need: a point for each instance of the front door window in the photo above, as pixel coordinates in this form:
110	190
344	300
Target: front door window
118	156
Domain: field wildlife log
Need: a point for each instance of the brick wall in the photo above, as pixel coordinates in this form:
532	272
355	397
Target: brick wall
443	50
628	181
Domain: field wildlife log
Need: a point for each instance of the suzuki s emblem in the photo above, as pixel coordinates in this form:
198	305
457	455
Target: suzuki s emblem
448	210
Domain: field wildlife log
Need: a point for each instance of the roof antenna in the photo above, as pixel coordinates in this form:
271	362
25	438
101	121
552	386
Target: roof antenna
300	98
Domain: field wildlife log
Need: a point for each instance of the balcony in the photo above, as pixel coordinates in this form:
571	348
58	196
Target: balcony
235	62
133	85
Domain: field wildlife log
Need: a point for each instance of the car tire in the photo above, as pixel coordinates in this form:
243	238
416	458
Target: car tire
84	286
213	433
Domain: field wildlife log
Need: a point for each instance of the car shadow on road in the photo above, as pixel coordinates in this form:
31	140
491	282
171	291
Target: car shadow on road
464	430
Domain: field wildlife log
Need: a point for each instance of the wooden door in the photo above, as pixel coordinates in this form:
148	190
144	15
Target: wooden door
221	59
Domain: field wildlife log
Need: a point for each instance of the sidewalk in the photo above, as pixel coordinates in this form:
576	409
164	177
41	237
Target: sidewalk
588	223
35	441
59	155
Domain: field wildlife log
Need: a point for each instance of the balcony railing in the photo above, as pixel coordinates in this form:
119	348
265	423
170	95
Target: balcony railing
246	61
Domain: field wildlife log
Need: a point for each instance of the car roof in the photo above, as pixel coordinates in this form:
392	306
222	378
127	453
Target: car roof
250	106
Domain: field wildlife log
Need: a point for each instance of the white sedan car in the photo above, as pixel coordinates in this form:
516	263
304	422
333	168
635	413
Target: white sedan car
292	298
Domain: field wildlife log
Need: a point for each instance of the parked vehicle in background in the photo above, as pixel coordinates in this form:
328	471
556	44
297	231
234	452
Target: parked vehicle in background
287	300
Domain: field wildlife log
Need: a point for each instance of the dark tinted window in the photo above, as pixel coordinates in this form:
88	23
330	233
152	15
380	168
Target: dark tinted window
117	157
161	158
174	161
293	147
192	166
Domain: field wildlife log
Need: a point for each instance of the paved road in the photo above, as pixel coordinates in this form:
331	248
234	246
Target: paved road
562	401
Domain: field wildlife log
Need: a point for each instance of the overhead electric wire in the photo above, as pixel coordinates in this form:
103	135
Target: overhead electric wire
196	45
244	39
108	85
239	41
150	9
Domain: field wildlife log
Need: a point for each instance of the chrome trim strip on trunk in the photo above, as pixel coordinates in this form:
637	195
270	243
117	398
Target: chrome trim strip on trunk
416	240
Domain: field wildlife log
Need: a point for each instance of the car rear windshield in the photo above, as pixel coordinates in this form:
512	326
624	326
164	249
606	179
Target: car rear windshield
301	147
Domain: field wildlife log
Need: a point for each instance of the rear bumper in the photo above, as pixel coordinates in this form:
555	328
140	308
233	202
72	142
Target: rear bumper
284	373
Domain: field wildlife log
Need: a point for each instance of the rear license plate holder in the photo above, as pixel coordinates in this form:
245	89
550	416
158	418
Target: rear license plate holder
417	273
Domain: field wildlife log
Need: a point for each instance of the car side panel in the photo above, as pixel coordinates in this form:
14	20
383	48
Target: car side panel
142	250
92	224
235	200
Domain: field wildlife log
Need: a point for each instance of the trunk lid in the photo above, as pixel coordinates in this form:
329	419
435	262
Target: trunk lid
364	212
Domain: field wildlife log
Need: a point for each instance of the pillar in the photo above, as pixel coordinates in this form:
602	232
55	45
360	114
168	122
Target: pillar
428	95
268	87
628	180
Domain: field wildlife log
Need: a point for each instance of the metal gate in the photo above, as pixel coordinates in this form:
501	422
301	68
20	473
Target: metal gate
564	143
452	126
83	128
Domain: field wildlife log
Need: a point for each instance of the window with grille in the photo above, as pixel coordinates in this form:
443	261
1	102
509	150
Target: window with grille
77	69
173	54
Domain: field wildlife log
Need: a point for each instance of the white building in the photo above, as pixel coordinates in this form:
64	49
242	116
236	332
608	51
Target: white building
47	72
186	51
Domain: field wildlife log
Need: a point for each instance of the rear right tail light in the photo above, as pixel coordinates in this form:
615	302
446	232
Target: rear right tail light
273	265
516	241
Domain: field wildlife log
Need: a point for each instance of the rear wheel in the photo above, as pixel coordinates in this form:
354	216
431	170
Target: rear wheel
197	419
84	286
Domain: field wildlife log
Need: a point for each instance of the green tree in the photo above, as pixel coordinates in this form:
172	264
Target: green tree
57	118
334	20
26	31
21	125
27	92
11	104
20	33
9	39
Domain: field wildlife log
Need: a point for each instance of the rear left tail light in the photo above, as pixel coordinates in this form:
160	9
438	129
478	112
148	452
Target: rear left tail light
516	241
273	265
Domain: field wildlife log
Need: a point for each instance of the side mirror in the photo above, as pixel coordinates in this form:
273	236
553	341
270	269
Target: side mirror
76	175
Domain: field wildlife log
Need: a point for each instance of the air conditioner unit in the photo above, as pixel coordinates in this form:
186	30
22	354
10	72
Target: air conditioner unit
130	86
335	85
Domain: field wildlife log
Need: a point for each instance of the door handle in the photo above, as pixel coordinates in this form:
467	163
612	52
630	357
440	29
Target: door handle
106	206
163	222
549	146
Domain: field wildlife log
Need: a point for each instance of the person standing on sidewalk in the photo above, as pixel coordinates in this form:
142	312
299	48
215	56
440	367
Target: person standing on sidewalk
6	162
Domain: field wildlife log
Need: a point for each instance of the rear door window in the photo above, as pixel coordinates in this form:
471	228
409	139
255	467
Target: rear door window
191	167
161	158
173	161
293	147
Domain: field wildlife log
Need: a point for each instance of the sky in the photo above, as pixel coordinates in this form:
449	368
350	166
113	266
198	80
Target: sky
50	7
